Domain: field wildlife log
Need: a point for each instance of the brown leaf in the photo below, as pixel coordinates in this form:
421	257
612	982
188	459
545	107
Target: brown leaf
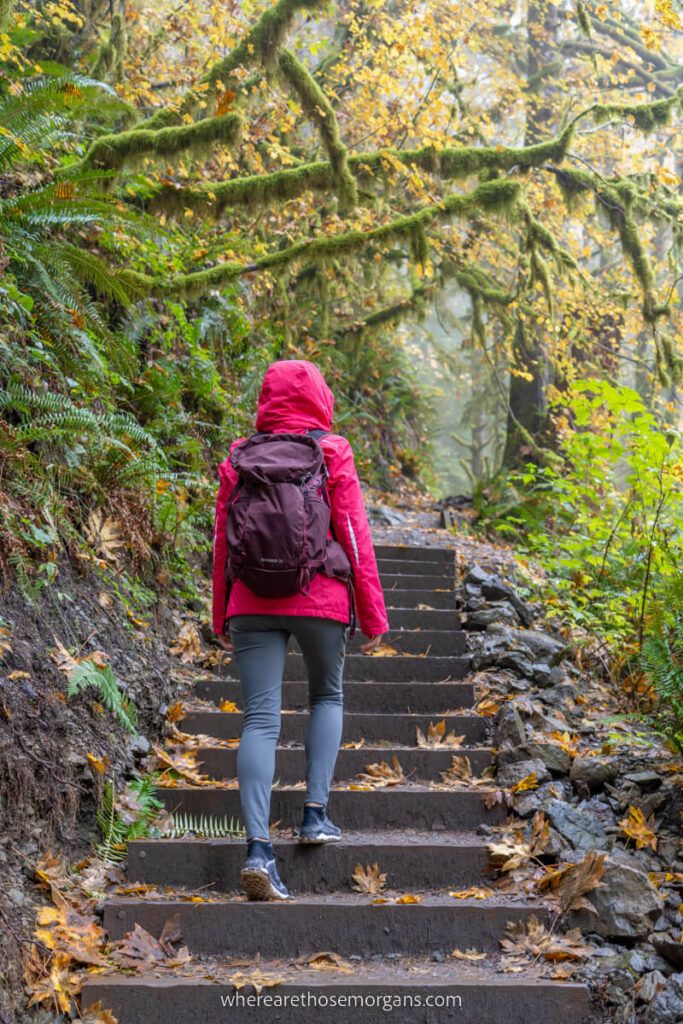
52	981
382	774
328	961
184	765
473	893
436	736
5	637
369	879
409	897
104	536
138	950
97	1014
187	645
572	882
468	954
640	829
257	979
531	938
459	772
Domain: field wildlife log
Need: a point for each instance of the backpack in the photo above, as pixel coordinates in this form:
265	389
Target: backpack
279	516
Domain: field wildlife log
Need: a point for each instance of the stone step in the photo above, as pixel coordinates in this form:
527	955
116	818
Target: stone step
415	991
373	728
344	922
404	581
443	570
392	668
408	553
397	807
390	698
417	619
290	762
432	642
432	600
419	859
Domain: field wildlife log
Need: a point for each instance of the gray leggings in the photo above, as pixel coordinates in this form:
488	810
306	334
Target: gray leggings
260	643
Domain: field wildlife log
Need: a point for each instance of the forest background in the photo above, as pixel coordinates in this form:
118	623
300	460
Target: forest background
189	190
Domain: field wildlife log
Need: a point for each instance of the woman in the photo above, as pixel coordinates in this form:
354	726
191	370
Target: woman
295	399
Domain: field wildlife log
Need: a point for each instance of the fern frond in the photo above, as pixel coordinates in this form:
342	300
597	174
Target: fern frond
203	826
87	675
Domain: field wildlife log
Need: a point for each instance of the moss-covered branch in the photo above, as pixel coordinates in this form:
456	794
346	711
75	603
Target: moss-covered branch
647	117
319	110
261	190
114	150
496	197
260	46
620	199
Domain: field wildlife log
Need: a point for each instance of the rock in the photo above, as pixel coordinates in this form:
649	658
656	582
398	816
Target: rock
491	614
669	947
509	730
16	896
139	745
556	760
540	646
581	829
533	800
540	673
667	1006
493	589
385	516
649	986
644	780
592	773
511	774
476	576
626	903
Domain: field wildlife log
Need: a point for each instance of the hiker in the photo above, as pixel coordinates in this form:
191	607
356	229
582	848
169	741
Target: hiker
292	556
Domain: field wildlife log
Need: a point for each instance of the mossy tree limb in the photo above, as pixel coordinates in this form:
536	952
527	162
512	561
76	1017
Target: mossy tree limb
261	190
260	46
497	197
320	111
112	151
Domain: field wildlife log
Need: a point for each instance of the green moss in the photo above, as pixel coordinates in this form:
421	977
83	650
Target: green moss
259	191
113	151
6	12
319	110
499	197
647	117
262	44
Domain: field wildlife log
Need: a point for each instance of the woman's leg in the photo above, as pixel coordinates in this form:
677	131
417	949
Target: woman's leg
323	645
260	649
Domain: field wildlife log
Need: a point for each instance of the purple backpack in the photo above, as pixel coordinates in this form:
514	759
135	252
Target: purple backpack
279	516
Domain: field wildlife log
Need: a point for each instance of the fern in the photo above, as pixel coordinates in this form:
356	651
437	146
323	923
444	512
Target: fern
662	657
115	831
87	675
204	826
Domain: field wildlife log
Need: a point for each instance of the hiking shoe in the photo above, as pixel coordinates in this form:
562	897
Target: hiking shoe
317	827
259	876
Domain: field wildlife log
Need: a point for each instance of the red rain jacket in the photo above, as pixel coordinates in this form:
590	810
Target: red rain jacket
295	398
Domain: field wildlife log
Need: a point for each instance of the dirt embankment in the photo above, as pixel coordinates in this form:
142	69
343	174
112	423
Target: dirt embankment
49	788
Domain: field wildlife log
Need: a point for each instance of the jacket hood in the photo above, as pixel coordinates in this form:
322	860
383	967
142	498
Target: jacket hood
294	396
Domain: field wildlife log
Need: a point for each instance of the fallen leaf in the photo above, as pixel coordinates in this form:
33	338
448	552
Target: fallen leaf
468	954
640	829
228	706
531	938
572	882
473	893
409	897
104	535
257	979
98	764
382	774
436	736
187	645
369	879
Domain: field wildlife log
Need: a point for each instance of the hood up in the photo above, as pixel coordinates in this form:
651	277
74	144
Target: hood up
294	396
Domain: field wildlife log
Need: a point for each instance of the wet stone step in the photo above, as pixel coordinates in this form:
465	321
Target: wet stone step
308	924
464	993
430	599
408	667
415	619
445	556
391	697
290	762
431	642
404	581
373	728
399	807
443	570
419	860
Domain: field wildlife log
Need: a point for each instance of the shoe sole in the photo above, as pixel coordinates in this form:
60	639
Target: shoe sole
319	839
258	886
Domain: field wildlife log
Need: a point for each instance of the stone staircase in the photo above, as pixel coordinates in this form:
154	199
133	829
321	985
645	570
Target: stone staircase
396	956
